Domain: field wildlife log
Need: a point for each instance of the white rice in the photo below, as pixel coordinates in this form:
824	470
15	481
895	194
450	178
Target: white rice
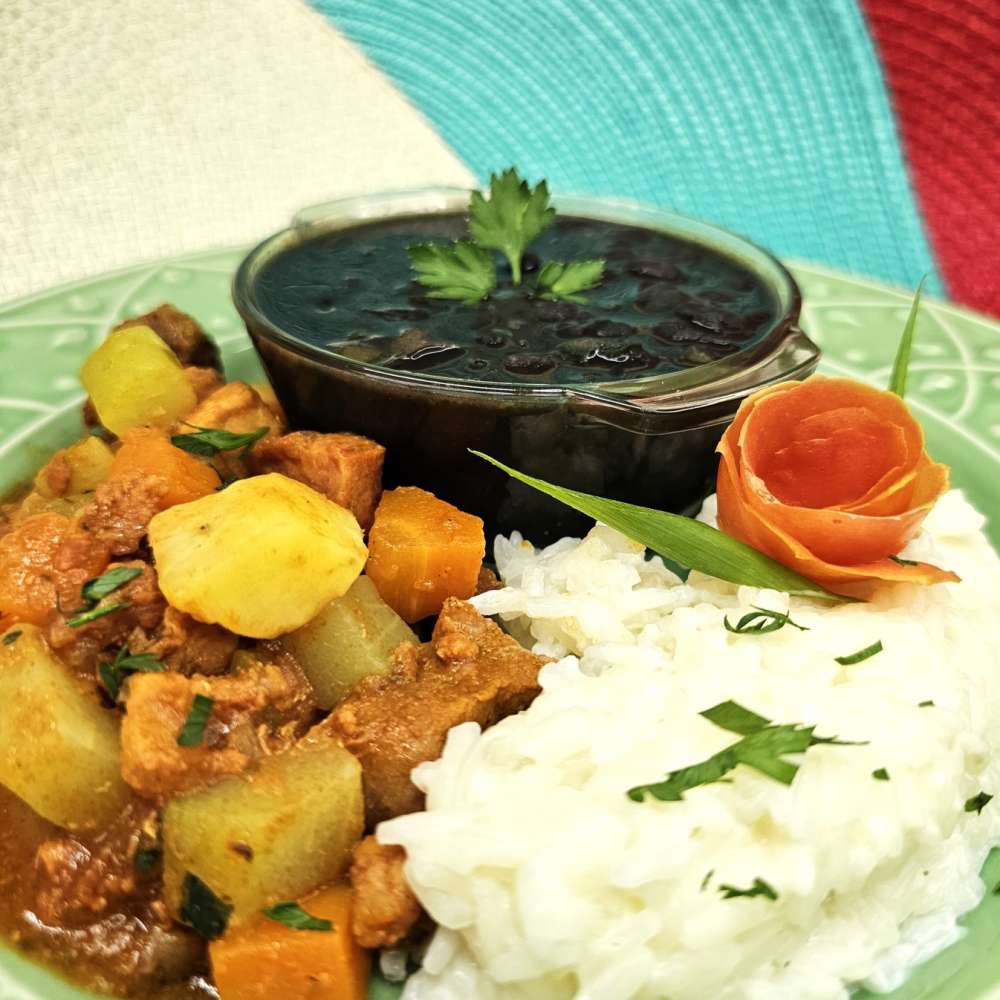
548	883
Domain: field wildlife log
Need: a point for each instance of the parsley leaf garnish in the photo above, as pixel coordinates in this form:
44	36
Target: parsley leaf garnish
735	718
978	802
193	730
94	613
114	673
761	621
512	216
98	588
763	747
861	654
209	441
507	220
292	915
881	774
461	271
759	888
202	909
11	637
557	280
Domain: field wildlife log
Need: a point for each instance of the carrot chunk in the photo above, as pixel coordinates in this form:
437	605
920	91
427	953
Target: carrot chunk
264	960
422	550
148	451
44	561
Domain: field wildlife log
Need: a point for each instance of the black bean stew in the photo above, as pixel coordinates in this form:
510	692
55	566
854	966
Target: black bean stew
665	304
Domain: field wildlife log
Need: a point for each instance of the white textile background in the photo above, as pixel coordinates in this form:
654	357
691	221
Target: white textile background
134	129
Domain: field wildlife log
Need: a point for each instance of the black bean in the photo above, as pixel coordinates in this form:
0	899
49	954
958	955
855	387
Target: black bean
492	338
627	356
529	364
426	357
555	311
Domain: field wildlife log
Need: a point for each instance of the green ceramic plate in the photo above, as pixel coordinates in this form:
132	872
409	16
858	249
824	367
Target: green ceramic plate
954	390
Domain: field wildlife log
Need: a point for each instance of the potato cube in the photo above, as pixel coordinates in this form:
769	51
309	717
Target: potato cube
135	380
260	558
272	834
75	470
58	749
422	551
351	638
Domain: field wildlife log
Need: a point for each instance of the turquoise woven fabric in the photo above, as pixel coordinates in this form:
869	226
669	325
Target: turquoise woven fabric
767	116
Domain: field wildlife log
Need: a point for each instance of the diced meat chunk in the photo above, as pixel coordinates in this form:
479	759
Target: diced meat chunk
54	478
487	581
186	646
181	333
236	407
122	508
385	908
347	468
240	409
204	381
470	671
253	712
142	611
73	878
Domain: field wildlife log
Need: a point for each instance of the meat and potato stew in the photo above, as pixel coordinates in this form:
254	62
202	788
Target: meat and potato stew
212	686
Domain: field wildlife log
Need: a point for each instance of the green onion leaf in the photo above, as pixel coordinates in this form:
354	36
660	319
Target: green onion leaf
11	637
707	879
926	704
512	216
94	613
209	441
881	774
113	674
690	543
99	588
557	280
904	562
193	730
861	654
292	915
978	802
202	909
761	621
900	367
759	888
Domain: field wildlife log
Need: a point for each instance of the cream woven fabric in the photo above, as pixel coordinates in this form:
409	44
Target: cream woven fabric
133	129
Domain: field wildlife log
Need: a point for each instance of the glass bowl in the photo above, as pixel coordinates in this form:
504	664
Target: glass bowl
649	441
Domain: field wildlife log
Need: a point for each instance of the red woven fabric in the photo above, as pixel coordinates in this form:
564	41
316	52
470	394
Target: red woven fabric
942	65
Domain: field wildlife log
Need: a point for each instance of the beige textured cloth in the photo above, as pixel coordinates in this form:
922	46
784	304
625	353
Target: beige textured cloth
134	129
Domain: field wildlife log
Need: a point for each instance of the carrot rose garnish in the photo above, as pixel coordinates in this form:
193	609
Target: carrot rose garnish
830	478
